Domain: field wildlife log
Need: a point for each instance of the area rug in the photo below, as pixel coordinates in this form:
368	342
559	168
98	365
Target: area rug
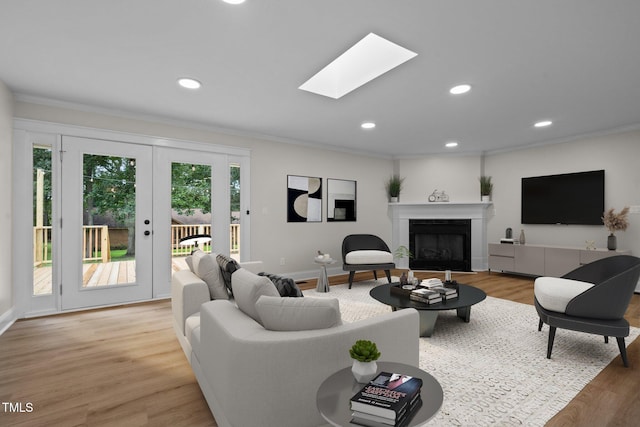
494	369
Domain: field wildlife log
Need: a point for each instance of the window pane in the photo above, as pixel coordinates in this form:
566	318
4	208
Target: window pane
234	194
108	230
190	211
42	242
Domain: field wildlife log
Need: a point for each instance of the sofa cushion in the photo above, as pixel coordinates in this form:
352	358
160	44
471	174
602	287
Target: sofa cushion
207	269
189	260
227	266
191	324
368	257
286	286
247	288
298	314
554	293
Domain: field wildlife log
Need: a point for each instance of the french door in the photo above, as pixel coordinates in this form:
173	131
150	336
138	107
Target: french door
110	212
107	222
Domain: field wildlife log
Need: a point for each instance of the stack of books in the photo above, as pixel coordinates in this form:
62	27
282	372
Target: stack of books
424	295
388	400
436	285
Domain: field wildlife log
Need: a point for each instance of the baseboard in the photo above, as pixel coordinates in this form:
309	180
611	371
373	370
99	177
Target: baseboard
7	319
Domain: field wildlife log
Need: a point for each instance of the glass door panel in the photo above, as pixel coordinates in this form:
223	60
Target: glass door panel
191	216
235	214
42	212
109	219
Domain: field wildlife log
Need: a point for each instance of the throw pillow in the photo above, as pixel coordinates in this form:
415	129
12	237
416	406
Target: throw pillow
227	266
298	314
247	288
285	285
207	269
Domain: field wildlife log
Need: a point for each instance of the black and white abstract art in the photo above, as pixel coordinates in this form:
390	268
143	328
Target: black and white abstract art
304	199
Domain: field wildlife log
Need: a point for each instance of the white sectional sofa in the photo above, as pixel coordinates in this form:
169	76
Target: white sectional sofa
253	376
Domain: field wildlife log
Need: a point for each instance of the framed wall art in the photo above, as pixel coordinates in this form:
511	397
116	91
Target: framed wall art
304	199
341	200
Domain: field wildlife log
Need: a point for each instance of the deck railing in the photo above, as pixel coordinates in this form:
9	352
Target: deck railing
96	244
179	231
41	243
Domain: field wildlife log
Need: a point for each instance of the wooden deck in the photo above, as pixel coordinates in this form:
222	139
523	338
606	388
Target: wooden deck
98	274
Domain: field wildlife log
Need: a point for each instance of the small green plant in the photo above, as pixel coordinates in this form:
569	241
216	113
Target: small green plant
364	351
394	185
402	252
486	186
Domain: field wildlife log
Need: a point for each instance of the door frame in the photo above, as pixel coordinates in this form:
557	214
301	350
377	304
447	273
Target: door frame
26	133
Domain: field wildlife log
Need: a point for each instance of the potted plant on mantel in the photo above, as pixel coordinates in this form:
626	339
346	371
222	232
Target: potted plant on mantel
394	187
364	354
615	222
486	188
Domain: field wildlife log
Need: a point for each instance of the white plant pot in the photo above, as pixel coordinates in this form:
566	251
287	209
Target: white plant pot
486	198
364	372
393	199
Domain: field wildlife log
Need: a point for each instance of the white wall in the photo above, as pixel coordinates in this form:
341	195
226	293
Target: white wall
617	154
456	175
6	130
272	238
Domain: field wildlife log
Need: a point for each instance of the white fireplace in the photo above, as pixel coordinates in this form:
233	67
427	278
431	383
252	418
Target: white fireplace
477	212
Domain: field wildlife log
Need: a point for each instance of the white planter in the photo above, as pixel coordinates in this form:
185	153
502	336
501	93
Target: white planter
486	198
364	372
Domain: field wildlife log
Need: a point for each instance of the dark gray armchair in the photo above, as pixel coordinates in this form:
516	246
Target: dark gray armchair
375	255
600	309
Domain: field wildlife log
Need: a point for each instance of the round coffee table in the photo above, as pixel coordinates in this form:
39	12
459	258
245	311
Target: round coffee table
467	296
335	393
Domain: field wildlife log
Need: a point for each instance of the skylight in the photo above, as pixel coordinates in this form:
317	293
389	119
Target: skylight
369	58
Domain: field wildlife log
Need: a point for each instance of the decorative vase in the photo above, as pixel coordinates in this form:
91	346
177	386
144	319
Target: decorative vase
364	372
612	243
522	239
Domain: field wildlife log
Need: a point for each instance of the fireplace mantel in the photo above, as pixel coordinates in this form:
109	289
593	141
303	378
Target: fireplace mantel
477	212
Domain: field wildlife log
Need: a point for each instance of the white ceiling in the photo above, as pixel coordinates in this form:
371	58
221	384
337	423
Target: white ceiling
576	62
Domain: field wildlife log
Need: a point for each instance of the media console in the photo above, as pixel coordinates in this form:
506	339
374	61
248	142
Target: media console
538	260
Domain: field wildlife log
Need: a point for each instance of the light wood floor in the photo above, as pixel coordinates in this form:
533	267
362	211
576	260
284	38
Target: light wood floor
124	367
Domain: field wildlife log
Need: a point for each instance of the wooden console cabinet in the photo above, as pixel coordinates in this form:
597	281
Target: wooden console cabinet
538	260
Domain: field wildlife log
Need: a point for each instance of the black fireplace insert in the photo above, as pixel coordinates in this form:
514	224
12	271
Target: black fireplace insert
440	244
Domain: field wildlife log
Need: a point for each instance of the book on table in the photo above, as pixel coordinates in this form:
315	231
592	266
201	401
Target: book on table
425	295
369	420
430	283
388	395
445	293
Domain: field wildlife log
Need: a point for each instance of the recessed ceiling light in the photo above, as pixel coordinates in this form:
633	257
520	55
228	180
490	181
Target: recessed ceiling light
368	125
460	89
189	83
451	144
369	58
233	1
543	123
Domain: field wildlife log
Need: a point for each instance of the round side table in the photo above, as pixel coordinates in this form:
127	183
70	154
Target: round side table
323	278
334	395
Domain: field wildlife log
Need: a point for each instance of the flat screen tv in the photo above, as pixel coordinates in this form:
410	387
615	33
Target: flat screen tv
572	198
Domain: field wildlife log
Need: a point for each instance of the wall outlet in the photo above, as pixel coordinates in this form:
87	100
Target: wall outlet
282	261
